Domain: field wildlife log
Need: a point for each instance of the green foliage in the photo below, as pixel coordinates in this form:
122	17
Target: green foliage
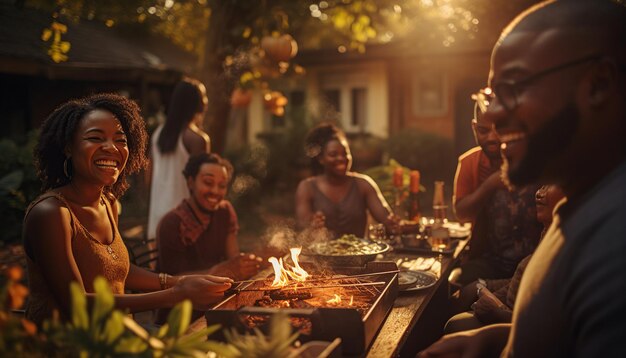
245	193
18	184
107	332
286	153
17	336
269	170
383	176
278	344
432	155
367	150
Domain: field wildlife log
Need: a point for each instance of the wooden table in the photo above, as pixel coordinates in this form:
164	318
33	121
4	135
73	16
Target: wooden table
406	328
409	309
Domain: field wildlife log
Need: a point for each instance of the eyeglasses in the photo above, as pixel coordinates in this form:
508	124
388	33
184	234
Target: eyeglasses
507	92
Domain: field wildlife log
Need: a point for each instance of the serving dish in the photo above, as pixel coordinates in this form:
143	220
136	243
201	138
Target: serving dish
348	250
423	280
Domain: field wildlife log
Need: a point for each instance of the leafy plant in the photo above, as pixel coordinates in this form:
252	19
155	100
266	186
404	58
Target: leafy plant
383	176
278	344
18	184
108	332
265	171
431	154
18	336
102	332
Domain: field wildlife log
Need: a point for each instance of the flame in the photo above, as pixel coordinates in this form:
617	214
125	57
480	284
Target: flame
351	301
299	271
335	300
283	274
279	279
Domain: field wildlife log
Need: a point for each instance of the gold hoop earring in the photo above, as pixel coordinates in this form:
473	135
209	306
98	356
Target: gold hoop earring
65	168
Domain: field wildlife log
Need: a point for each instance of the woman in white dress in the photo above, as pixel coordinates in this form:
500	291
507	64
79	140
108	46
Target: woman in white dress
170	147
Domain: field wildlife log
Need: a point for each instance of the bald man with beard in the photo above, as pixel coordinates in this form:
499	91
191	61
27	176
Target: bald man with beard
557	98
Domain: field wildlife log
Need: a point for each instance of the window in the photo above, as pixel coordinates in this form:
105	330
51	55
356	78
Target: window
355	99
359	102
331	104
295	104
429	94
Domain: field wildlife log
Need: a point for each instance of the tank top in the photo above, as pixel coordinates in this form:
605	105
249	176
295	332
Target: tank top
168	186
349	216
92	257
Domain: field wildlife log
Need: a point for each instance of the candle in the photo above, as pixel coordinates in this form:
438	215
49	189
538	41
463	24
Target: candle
414	183
398	180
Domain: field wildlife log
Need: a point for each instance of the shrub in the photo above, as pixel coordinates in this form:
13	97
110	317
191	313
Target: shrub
107	332
19	184
103	332
431	154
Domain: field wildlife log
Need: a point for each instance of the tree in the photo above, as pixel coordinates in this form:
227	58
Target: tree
226	34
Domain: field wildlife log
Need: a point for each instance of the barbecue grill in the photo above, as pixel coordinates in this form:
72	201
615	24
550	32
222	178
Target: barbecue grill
322	308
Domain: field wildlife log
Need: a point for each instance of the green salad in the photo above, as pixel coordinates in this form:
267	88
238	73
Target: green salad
347	245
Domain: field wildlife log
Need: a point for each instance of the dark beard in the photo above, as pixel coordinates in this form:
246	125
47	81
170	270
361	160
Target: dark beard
545	145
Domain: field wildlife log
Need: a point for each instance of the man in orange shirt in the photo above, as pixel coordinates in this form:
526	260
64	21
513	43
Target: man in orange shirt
505	228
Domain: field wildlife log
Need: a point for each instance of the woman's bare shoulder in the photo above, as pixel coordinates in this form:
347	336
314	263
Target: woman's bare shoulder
307	182
47	205
364	181
49	214
305	187
195	140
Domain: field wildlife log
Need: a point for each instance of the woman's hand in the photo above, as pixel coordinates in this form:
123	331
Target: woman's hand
318	220
202	290
392	224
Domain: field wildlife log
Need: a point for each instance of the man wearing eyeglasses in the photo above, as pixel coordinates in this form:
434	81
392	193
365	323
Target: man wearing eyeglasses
557	97
505	228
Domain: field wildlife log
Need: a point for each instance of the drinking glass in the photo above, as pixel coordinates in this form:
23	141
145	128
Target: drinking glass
439	239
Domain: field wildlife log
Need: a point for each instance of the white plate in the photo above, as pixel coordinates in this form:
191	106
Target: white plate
424	280
458	230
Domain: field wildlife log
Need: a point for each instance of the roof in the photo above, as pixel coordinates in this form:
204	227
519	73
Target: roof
397	50
97	52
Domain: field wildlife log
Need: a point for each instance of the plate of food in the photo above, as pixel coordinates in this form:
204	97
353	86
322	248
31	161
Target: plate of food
415	280
348	250
458	230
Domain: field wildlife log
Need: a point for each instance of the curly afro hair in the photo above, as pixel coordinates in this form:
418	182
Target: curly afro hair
316	140
57	132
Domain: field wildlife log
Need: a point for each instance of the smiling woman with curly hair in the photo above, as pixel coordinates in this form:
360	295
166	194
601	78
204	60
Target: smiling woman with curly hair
54	167
337	198
86	149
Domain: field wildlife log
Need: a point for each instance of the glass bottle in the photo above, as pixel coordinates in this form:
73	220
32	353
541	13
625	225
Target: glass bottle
439	204
439	236
398	186
415	213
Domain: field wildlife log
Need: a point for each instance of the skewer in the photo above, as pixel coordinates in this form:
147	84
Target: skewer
236	283
235	291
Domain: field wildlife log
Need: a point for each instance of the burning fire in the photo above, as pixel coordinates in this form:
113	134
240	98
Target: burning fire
283	274
337	300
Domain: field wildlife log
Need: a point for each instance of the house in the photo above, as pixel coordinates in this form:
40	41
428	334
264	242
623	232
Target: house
386	90
121	59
